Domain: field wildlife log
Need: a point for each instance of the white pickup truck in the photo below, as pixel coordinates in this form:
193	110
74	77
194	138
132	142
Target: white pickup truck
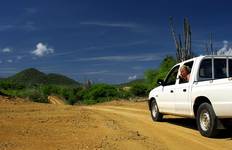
206	96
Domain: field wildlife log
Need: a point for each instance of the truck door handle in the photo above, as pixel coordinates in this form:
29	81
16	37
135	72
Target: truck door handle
184	90
171	91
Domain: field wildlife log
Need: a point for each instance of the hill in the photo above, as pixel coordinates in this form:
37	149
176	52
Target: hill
61	79
2	78
33	76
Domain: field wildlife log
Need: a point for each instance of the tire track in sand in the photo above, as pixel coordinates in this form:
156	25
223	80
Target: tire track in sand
174	136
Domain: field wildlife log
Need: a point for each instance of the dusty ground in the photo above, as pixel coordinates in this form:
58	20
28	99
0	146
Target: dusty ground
116	125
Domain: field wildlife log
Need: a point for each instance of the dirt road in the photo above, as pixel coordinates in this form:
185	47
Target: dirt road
115	125
55	100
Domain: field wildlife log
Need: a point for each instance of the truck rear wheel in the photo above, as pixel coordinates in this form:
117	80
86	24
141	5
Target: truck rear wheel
206	120
155	114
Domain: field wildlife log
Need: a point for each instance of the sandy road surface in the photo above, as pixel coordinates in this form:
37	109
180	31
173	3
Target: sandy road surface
115	125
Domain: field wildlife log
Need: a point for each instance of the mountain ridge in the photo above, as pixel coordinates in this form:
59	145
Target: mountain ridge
32	76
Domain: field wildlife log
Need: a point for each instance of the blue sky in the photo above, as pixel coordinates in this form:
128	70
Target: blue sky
111	41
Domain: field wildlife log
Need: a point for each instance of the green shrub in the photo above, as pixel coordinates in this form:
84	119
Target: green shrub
124	94
32	94
11	85
71	95
152	75
139	89
100	93
50	89
89	102
71	98
37	96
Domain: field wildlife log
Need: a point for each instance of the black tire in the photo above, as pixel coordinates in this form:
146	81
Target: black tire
155	114
206	120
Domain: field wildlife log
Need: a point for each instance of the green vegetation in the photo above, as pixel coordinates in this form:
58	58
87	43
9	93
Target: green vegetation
152	75
139	89
142	87
37	86
103	92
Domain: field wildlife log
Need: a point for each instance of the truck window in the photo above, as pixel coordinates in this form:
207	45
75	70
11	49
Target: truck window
171	78
189	65
205	70
220	68
230	67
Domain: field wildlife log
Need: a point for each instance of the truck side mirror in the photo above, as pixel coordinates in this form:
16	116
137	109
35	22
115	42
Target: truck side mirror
160	82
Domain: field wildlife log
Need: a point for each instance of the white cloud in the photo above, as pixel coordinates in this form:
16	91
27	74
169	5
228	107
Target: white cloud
132	77
31	10
144	57
95	72
6	50
27	26
225	50
42	50
9	60
19	57
6	27
91	48
107	24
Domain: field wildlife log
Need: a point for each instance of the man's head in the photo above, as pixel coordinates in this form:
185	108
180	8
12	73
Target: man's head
184	71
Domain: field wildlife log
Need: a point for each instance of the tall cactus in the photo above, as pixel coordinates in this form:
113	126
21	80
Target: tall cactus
209	45
183	51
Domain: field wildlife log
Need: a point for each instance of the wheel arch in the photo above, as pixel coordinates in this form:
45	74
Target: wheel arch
198	101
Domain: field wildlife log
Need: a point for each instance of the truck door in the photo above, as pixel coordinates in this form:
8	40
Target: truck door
167	96
182	92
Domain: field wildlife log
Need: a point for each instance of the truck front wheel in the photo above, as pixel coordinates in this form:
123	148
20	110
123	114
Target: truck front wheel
155	114
206	120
